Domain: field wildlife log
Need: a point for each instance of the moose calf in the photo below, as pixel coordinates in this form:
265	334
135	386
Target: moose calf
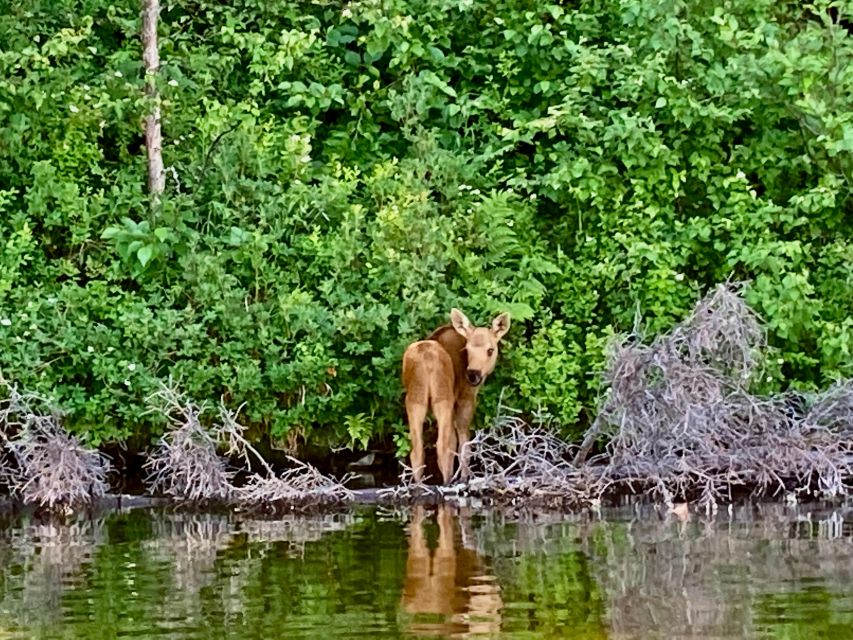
444	372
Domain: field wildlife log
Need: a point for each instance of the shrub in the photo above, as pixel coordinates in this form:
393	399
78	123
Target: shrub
339	178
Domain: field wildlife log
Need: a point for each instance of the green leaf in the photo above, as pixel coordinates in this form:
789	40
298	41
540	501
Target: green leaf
376	47
237	237
352	58
110	232
519	310
144	254
432	79
436	54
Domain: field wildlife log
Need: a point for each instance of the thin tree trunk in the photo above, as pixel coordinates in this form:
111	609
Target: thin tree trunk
153	134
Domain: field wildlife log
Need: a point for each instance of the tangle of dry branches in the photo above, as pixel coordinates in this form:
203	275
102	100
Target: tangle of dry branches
681	419
513	462
299	484
42	463
187	464
680	422
408	487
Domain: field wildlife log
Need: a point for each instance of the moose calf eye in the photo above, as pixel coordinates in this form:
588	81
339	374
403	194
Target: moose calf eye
490	351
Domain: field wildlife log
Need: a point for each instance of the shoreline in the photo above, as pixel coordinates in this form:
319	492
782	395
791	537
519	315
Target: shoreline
402	496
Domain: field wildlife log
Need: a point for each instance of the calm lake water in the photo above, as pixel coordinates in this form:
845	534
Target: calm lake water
766	571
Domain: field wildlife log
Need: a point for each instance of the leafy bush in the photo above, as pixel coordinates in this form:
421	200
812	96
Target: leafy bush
339	177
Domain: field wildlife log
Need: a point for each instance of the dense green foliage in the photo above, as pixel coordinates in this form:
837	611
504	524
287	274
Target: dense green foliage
340	175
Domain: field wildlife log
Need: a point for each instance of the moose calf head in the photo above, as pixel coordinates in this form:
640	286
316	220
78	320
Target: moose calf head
481	347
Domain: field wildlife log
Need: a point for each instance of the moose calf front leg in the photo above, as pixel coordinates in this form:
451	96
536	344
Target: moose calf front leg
463	415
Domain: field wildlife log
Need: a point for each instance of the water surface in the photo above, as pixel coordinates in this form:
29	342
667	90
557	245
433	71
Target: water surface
766	571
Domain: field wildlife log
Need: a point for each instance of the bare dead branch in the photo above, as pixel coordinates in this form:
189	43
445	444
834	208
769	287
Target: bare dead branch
408	486
301	483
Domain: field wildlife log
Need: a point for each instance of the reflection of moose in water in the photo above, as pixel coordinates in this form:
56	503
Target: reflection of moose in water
448	590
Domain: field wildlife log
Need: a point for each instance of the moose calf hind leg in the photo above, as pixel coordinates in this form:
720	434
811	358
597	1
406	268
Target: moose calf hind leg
446	444
416	411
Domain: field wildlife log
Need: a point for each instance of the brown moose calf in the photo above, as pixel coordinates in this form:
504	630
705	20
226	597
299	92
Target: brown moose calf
444	373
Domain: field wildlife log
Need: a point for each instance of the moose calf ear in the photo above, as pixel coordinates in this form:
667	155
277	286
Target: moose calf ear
460	322
500	325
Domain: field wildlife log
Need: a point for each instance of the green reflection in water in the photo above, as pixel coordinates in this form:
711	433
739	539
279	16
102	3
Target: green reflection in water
437	572
811	612
361	574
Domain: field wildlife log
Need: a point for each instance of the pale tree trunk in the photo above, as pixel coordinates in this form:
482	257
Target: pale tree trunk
153	134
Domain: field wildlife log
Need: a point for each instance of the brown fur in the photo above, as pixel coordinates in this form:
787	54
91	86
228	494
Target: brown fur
444	373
